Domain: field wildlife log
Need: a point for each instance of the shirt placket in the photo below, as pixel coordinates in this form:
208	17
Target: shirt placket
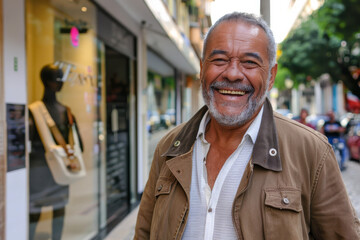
210	212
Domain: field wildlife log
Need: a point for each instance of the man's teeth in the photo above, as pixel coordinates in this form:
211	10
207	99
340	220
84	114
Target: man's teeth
232	92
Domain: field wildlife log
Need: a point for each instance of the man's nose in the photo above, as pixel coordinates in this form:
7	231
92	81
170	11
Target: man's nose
234	71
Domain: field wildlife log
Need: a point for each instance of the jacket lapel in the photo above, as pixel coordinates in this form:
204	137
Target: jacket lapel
185	139
266	149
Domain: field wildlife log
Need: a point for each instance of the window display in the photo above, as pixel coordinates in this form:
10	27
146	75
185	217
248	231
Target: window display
49	179
64	158
79	79
62	57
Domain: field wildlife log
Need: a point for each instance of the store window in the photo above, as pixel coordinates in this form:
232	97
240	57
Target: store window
161	97
63	89
80	69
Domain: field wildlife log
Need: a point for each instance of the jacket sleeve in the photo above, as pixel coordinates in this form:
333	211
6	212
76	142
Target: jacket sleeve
332	215
144	218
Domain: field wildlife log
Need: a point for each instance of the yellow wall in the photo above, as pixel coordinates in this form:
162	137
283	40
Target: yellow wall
39	44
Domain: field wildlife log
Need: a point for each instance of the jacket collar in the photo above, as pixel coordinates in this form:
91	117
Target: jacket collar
266	148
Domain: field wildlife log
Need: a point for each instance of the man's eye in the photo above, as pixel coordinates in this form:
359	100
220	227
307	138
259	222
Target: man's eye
219	60
249	64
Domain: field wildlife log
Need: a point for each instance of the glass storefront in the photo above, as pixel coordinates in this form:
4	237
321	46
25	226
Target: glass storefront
117	140
88	70
161	97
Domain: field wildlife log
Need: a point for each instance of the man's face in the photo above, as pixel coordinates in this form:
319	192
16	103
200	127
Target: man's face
235	74
303	114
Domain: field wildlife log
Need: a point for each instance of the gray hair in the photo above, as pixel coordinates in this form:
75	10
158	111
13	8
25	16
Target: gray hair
250	19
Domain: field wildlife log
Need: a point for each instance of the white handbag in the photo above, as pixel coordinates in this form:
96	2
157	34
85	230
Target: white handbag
64	159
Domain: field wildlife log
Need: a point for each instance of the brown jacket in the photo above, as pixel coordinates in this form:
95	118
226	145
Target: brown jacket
292	188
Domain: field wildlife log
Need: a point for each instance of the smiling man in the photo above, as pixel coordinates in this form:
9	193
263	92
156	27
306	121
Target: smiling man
237	170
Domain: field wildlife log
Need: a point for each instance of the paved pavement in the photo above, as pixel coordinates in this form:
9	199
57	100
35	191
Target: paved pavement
126	229
351	177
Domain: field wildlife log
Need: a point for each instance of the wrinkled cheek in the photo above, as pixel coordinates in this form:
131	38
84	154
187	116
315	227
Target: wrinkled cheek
206	94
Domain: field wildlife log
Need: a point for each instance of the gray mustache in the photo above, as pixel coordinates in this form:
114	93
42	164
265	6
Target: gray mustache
232	86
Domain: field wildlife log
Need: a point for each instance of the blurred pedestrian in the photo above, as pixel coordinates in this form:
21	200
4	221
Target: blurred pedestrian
334	132
303	115
238	170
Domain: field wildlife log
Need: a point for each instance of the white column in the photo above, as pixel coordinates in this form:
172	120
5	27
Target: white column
15	92
340	99
327	98
295	101
143	164
318	98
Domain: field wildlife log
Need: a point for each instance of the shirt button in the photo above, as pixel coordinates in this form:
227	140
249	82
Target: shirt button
286	201
210	210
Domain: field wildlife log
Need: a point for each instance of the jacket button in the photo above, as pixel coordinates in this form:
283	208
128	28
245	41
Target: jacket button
177	143
286	201
272	152
160	187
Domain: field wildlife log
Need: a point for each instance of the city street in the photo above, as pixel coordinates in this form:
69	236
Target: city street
351	177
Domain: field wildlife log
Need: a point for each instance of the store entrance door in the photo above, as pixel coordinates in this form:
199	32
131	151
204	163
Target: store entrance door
117	71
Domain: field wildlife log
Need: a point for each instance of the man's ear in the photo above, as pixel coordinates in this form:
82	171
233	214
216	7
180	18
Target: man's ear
273	75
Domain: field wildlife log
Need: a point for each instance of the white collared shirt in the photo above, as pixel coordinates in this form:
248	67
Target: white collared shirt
210	214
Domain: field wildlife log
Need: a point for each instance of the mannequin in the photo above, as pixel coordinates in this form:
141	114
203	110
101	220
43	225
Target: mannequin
44	191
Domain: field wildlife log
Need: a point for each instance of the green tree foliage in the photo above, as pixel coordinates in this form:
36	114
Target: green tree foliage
281	76
325	42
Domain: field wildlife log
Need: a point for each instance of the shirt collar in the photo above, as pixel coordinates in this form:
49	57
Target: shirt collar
252	131
202	127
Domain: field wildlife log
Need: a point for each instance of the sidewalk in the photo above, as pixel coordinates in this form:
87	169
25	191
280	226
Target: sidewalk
351	179
126	229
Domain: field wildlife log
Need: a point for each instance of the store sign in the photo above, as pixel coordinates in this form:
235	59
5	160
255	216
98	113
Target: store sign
74	36
81	78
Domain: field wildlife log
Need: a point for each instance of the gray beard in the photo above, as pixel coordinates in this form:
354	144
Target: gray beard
254	103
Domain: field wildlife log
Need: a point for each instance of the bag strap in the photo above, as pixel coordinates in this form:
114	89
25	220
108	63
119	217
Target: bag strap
71	122
72	163
41	123
57	134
